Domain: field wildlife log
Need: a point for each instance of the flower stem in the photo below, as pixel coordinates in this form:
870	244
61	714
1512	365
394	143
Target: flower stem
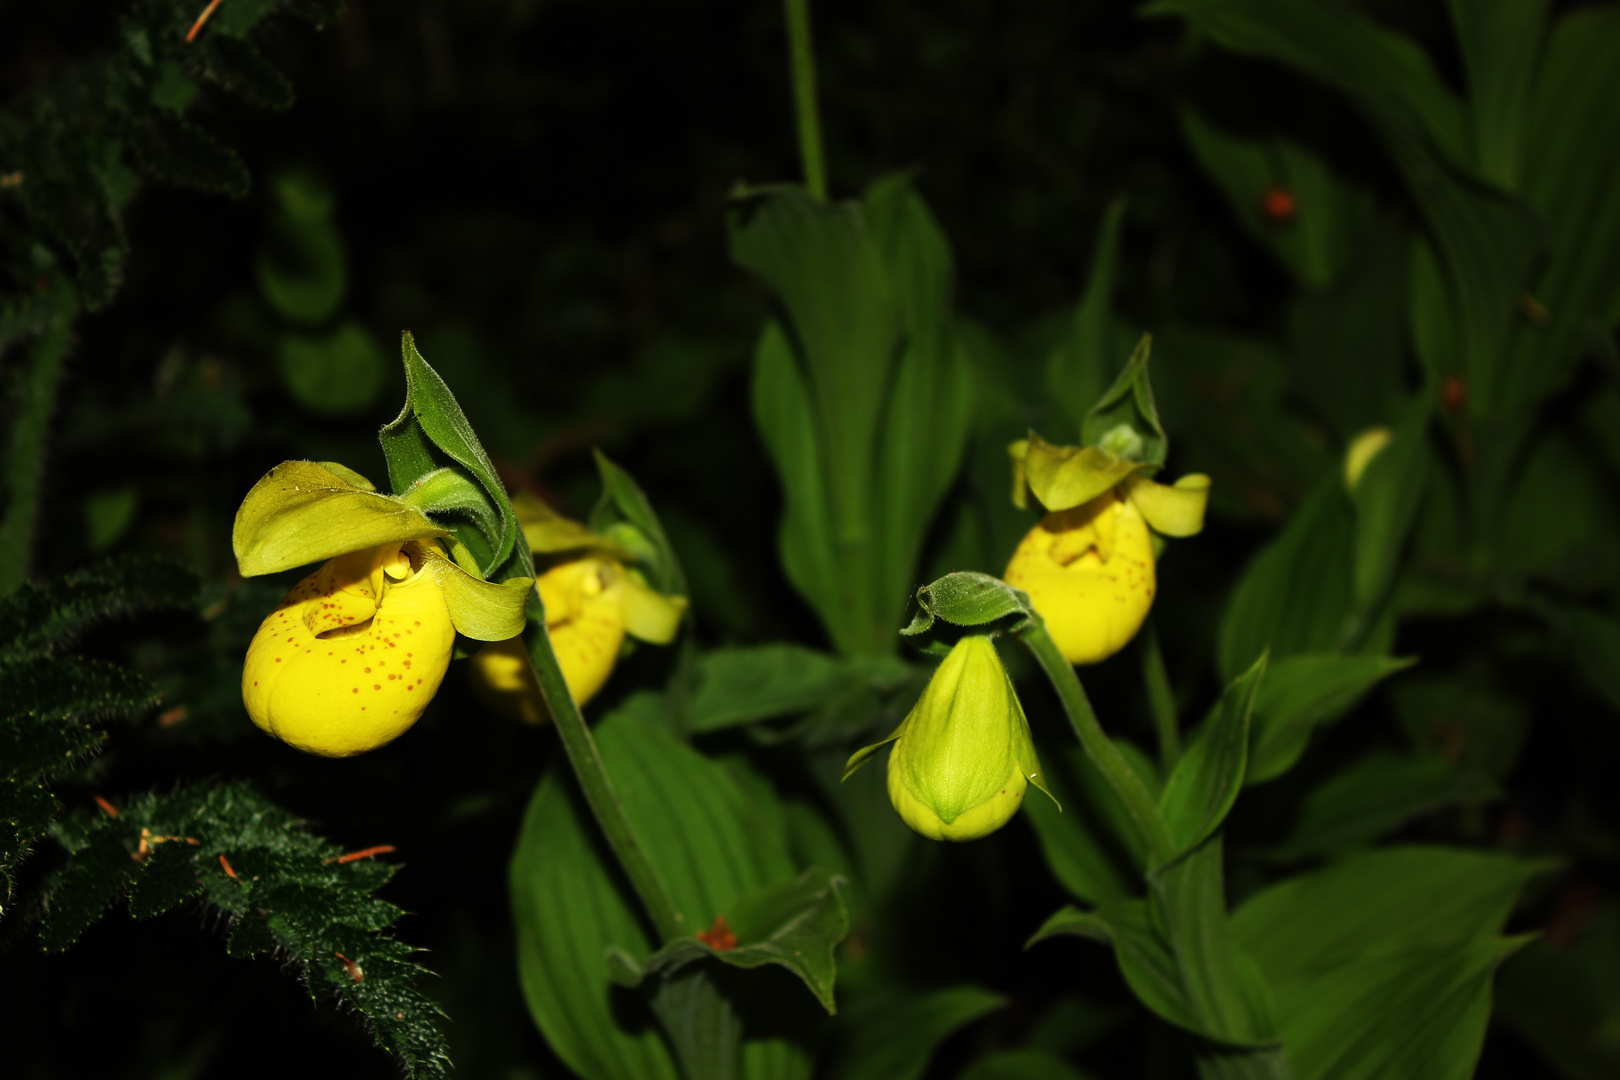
803	62
1162	700
594	781
1104	754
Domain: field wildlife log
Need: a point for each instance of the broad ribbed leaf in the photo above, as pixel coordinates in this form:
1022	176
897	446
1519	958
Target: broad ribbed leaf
795	925
1572	147
1373	796
1387	498
893	1035
925	421
823	263
1297	596
786	419
712	845
1417	1013
1298	694
1331	216
1393	898
1500	42
1208	777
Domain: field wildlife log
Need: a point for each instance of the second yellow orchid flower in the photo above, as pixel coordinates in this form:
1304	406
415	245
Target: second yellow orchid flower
593	599
1088	566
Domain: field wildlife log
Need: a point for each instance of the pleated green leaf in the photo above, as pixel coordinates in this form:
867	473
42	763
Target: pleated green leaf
713	846
822	262
1374	795
1392	898
784	414
1083	844
863	395
892	1035
1208	777
1298	595
1223	987
929	409
1418	1013
793	925
1299	694
1331	216
1500	42
1387	498
759	682
1572	147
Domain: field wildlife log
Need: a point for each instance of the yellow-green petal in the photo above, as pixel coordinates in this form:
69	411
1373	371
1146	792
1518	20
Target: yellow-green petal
1363	448
1171	511
302	512
483	610
648	613
1018	451
1067	476
549	533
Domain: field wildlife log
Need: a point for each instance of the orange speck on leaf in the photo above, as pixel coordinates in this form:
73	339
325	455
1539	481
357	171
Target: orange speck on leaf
1279	205
352	968
718	937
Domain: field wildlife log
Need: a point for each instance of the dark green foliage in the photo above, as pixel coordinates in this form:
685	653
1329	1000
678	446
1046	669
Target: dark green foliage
43	617
48	701
285	891
80	139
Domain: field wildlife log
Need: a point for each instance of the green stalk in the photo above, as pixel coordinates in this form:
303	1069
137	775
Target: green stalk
804	97
1102	751
1161	699
593	780
25	456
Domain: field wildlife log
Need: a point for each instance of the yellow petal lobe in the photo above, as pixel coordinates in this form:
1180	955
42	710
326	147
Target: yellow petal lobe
585	618
504	680
350	659
1089	572
1171	510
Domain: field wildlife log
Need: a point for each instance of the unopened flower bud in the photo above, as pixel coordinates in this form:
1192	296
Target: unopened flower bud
963	756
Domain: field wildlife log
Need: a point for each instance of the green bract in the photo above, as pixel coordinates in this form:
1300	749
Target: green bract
963	756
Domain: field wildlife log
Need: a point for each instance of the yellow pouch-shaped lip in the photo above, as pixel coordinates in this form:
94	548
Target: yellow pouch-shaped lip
350	659
1092	605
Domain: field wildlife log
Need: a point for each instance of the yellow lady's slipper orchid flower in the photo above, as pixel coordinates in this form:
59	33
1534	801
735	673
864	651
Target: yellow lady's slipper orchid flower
350	659
592	601
1088	566
963	756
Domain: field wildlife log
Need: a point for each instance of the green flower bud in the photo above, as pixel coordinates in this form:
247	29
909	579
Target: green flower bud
963	756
